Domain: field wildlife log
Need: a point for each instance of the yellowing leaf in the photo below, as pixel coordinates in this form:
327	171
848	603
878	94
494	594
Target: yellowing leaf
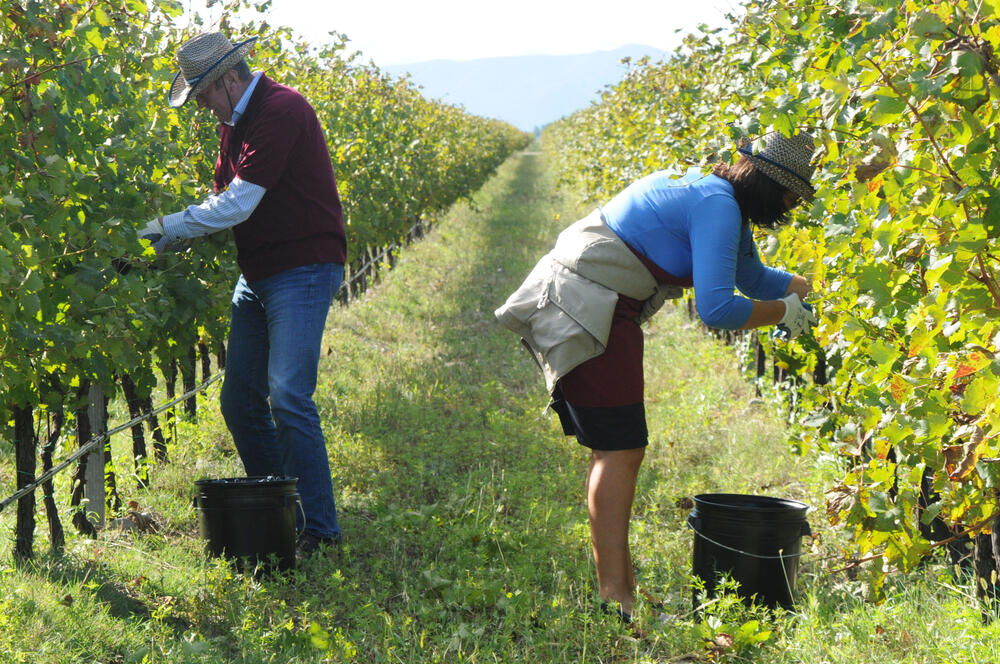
919	340
899	388
975	361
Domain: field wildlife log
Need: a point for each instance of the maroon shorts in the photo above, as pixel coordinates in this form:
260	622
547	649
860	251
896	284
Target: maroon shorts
601	401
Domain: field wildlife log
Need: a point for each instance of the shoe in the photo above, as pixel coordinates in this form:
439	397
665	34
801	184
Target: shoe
618	611
309	543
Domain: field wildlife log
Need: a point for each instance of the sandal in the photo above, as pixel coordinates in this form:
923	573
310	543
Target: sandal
624	616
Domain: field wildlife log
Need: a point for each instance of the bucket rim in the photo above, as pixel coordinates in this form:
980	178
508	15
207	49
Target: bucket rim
244	482
761	503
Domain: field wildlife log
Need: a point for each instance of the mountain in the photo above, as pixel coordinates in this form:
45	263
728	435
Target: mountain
527	91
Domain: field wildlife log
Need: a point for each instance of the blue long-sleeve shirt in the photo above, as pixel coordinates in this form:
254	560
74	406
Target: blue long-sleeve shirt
691	227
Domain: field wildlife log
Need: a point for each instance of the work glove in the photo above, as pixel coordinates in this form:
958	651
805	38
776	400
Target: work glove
798	317
153	231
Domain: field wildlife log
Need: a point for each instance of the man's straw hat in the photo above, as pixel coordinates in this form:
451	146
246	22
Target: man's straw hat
203	59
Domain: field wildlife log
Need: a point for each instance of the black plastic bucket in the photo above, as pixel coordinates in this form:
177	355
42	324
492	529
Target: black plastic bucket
754	539
249	519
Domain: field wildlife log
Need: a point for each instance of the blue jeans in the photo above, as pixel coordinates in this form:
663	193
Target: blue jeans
271	364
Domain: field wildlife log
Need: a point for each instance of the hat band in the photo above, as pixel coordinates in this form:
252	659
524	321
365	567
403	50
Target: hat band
749	153
192	82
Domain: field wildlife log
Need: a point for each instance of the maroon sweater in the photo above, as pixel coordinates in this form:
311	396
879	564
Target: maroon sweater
278	144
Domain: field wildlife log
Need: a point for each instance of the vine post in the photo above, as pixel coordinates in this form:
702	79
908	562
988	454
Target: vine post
93	488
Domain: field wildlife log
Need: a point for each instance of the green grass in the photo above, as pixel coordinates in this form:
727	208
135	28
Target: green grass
462	504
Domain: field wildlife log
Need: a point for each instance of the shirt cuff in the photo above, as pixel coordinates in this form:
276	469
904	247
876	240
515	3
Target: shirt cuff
174	227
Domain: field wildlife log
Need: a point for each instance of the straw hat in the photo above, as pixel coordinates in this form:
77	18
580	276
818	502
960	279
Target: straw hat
203	59
786	161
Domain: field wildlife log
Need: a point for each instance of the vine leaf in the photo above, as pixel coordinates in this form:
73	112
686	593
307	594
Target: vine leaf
961	460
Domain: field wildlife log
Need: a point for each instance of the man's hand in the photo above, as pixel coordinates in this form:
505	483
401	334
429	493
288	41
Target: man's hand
798	316
153	231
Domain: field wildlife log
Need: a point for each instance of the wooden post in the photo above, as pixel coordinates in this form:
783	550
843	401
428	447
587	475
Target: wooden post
93	488
25	444
189	380
80	520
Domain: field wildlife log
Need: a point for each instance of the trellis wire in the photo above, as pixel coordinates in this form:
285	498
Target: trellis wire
100	438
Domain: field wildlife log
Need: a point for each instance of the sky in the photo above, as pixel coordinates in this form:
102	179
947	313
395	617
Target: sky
391	32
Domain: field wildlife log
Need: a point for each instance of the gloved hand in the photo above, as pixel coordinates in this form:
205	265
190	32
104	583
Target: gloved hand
153	231
798	316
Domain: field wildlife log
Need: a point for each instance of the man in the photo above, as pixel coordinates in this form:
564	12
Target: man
275	187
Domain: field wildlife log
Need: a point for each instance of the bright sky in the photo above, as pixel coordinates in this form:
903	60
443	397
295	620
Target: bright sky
403	31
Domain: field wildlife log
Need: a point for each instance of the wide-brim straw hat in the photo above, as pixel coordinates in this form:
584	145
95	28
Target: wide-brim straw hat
202	60
786	160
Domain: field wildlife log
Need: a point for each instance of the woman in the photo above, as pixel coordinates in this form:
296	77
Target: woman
580	308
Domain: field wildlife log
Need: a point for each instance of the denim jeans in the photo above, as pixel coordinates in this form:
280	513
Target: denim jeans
271	364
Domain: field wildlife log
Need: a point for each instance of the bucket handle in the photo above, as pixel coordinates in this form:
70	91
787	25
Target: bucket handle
285	500
302	509
694	524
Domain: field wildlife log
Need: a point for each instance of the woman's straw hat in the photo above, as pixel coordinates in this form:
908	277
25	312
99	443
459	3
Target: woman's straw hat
203	59
786	161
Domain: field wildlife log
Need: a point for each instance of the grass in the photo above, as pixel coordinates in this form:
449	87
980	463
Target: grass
462	504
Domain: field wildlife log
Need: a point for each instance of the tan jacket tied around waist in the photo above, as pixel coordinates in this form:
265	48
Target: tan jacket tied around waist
564	308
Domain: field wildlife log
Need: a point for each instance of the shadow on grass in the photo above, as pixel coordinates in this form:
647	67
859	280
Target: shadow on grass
96	578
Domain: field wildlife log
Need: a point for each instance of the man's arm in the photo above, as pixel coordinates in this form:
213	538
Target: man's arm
215	213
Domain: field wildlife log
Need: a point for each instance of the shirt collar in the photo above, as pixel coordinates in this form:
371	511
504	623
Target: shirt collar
241	105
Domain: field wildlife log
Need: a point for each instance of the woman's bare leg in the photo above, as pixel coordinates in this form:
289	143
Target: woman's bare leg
610	490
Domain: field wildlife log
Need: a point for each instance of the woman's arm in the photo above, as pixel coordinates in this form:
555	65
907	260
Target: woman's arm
763	314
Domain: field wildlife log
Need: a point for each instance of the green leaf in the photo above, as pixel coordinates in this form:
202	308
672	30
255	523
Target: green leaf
883	354
978	394
927	24
887	109
989	471
172	8
101	16
93	36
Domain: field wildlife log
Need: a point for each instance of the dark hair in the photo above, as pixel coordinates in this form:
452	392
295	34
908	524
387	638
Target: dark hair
761	199
242	70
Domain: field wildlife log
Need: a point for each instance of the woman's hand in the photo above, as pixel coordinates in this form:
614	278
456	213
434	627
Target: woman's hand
800	286
771	312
